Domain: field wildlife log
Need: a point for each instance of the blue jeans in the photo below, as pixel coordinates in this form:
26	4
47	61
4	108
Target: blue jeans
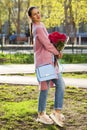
59	95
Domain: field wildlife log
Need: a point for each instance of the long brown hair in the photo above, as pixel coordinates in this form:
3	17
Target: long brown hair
30	14
31	34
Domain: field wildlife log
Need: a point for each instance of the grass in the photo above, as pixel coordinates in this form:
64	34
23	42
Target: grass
75	75
18	108
68	75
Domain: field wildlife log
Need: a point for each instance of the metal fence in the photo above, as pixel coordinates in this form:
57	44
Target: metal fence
75	49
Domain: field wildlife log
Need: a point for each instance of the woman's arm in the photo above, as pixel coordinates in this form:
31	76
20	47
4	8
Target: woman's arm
43	38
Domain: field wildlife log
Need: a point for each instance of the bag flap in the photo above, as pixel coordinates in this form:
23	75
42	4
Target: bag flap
46	70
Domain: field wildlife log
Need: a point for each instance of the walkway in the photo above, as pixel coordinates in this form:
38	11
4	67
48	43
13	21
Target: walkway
31	80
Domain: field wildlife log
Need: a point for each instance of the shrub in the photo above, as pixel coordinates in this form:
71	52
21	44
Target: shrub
21	58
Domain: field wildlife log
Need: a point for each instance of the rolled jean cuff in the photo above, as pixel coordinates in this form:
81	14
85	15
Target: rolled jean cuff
58	108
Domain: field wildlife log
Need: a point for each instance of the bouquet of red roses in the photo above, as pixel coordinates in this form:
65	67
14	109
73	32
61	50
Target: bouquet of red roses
58	40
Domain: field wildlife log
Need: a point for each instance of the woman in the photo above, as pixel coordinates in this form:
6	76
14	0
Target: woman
44	53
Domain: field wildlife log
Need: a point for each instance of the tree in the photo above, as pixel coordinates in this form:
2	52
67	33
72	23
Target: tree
69	20
7	5
74	15
0	19
53	12
70	13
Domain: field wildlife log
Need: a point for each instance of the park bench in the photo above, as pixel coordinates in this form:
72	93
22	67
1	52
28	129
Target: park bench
21	40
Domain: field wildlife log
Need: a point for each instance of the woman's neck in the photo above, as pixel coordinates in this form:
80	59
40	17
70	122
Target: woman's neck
36	23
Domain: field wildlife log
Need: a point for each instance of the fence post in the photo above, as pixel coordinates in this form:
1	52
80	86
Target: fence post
79	40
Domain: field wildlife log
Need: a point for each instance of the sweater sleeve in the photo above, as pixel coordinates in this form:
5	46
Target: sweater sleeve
43	38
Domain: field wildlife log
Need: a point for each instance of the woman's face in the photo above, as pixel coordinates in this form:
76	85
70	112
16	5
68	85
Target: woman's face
35	15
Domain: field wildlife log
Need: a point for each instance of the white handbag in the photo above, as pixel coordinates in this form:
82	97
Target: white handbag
46	72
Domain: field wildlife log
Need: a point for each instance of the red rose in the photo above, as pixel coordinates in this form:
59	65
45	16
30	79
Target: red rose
58	40
55	37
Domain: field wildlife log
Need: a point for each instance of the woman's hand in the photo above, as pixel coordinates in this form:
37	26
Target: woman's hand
60	55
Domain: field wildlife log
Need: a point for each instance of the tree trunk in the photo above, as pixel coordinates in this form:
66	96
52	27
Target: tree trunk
70	26
18	21
9	18
0	24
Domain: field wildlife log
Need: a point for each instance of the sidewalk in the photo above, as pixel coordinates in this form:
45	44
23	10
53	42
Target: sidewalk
29	68
31	80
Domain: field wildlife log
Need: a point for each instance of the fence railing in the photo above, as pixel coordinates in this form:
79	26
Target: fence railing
76	48
68	48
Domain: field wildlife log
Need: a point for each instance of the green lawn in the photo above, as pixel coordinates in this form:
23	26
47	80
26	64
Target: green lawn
18	108
67	75
75	75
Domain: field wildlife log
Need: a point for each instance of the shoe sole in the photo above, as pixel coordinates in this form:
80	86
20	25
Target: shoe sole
41	121
53	118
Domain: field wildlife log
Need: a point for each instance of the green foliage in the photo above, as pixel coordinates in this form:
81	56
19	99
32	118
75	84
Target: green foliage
52	11
17	58
20	58
79	8
74	58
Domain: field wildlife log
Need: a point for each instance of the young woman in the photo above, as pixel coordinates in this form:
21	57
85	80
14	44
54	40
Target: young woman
44	53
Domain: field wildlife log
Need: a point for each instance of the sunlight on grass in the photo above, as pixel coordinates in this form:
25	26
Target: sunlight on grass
20	109
68	75
75	75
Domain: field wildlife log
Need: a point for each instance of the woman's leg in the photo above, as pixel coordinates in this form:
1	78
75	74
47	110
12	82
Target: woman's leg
59	92
42	99
58	104
42	116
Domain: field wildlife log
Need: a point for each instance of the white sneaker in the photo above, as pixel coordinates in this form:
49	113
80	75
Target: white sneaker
58	118
45	119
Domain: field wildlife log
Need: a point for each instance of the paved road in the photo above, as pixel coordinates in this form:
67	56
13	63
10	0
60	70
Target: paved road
31	80
29	68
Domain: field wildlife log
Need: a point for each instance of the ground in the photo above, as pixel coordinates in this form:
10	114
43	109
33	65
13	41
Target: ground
18	108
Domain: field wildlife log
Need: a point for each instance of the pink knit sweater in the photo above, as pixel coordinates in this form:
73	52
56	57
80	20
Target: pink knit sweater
43	49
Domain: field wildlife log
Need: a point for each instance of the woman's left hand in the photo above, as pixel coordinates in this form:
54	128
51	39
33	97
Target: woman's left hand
60	55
